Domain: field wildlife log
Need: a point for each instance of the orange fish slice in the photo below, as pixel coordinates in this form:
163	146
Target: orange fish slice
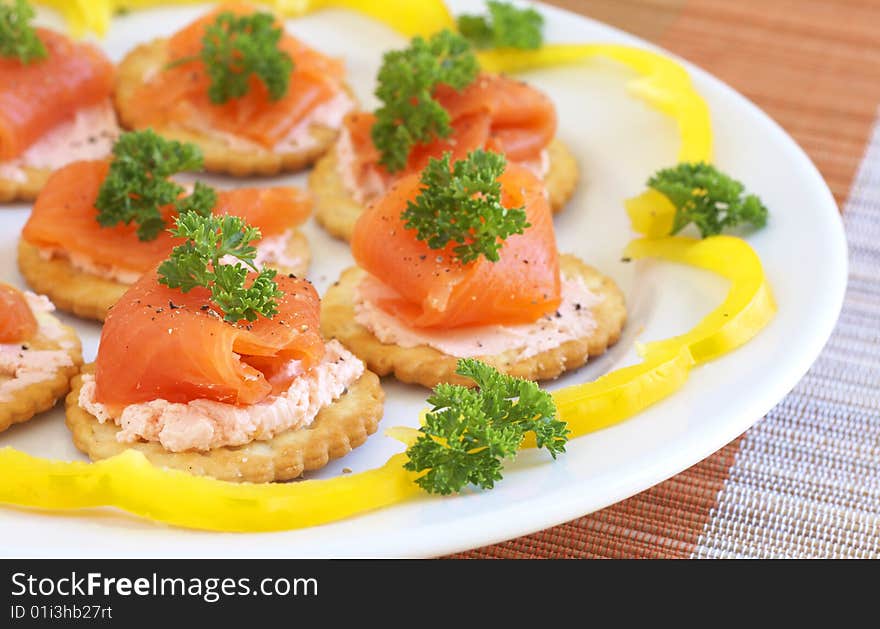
159	343
180	94
434	291
17	321
36	97
64	218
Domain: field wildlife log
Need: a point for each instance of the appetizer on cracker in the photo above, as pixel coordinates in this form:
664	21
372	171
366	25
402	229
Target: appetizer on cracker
38	356
255	99
97	226
55	104
435	99
213	367
461	261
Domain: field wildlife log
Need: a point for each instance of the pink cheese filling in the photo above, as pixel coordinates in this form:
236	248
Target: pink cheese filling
206	424
21	366
573	320
373	185
329	114
89	135
271	251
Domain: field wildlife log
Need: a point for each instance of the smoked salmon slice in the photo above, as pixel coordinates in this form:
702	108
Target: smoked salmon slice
494	113
435	291
17	321
179	95
159	343
64	218
36	97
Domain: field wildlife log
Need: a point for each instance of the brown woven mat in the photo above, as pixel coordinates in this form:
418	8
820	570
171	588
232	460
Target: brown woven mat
805	481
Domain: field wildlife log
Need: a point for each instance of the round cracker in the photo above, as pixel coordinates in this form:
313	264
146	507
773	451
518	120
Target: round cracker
91	296
337	430
429	366
220	157
41	396
27	189
337	211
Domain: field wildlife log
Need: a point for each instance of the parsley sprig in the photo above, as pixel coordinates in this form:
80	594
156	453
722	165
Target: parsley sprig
236	47
409	113
137	184
17	37
461	203
469	432
199	262
708	198
506	26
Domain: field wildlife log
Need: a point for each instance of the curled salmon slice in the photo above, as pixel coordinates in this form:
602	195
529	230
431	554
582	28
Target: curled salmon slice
64	218
179	95
17	321
159	343
494	113
38	96
433	290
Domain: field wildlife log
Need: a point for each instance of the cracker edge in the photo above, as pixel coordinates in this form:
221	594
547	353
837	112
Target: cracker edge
337	430
41	396
338	212
428	366
218	156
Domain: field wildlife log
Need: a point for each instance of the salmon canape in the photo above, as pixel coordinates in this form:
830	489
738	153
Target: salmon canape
38	356
87	240
463	263
210	368
436	100
55	104
254	98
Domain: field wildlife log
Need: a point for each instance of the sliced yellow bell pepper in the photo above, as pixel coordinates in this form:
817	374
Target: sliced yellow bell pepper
128	481
408	17
749	307
662	83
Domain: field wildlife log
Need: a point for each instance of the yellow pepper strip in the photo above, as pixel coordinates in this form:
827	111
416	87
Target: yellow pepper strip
749	307
651	213
408	17
82	15
128	481
662	83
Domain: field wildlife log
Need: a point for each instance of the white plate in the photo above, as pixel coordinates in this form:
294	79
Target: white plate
619	142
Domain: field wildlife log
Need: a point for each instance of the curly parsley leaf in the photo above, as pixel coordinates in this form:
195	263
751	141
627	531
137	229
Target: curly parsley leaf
409	113
708	198
462	204
17	37
199	261
137	186
469	433
236	47
506	26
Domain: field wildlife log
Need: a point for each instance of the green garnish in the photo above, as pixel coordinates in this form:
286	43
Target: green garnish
469	432
17	37
236	47
407	79
137	185
708	198
462	204
197	262
505	27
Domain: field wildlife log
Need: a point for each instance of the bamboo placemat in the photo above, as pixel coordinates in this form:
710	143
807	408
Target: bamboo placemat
805	481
